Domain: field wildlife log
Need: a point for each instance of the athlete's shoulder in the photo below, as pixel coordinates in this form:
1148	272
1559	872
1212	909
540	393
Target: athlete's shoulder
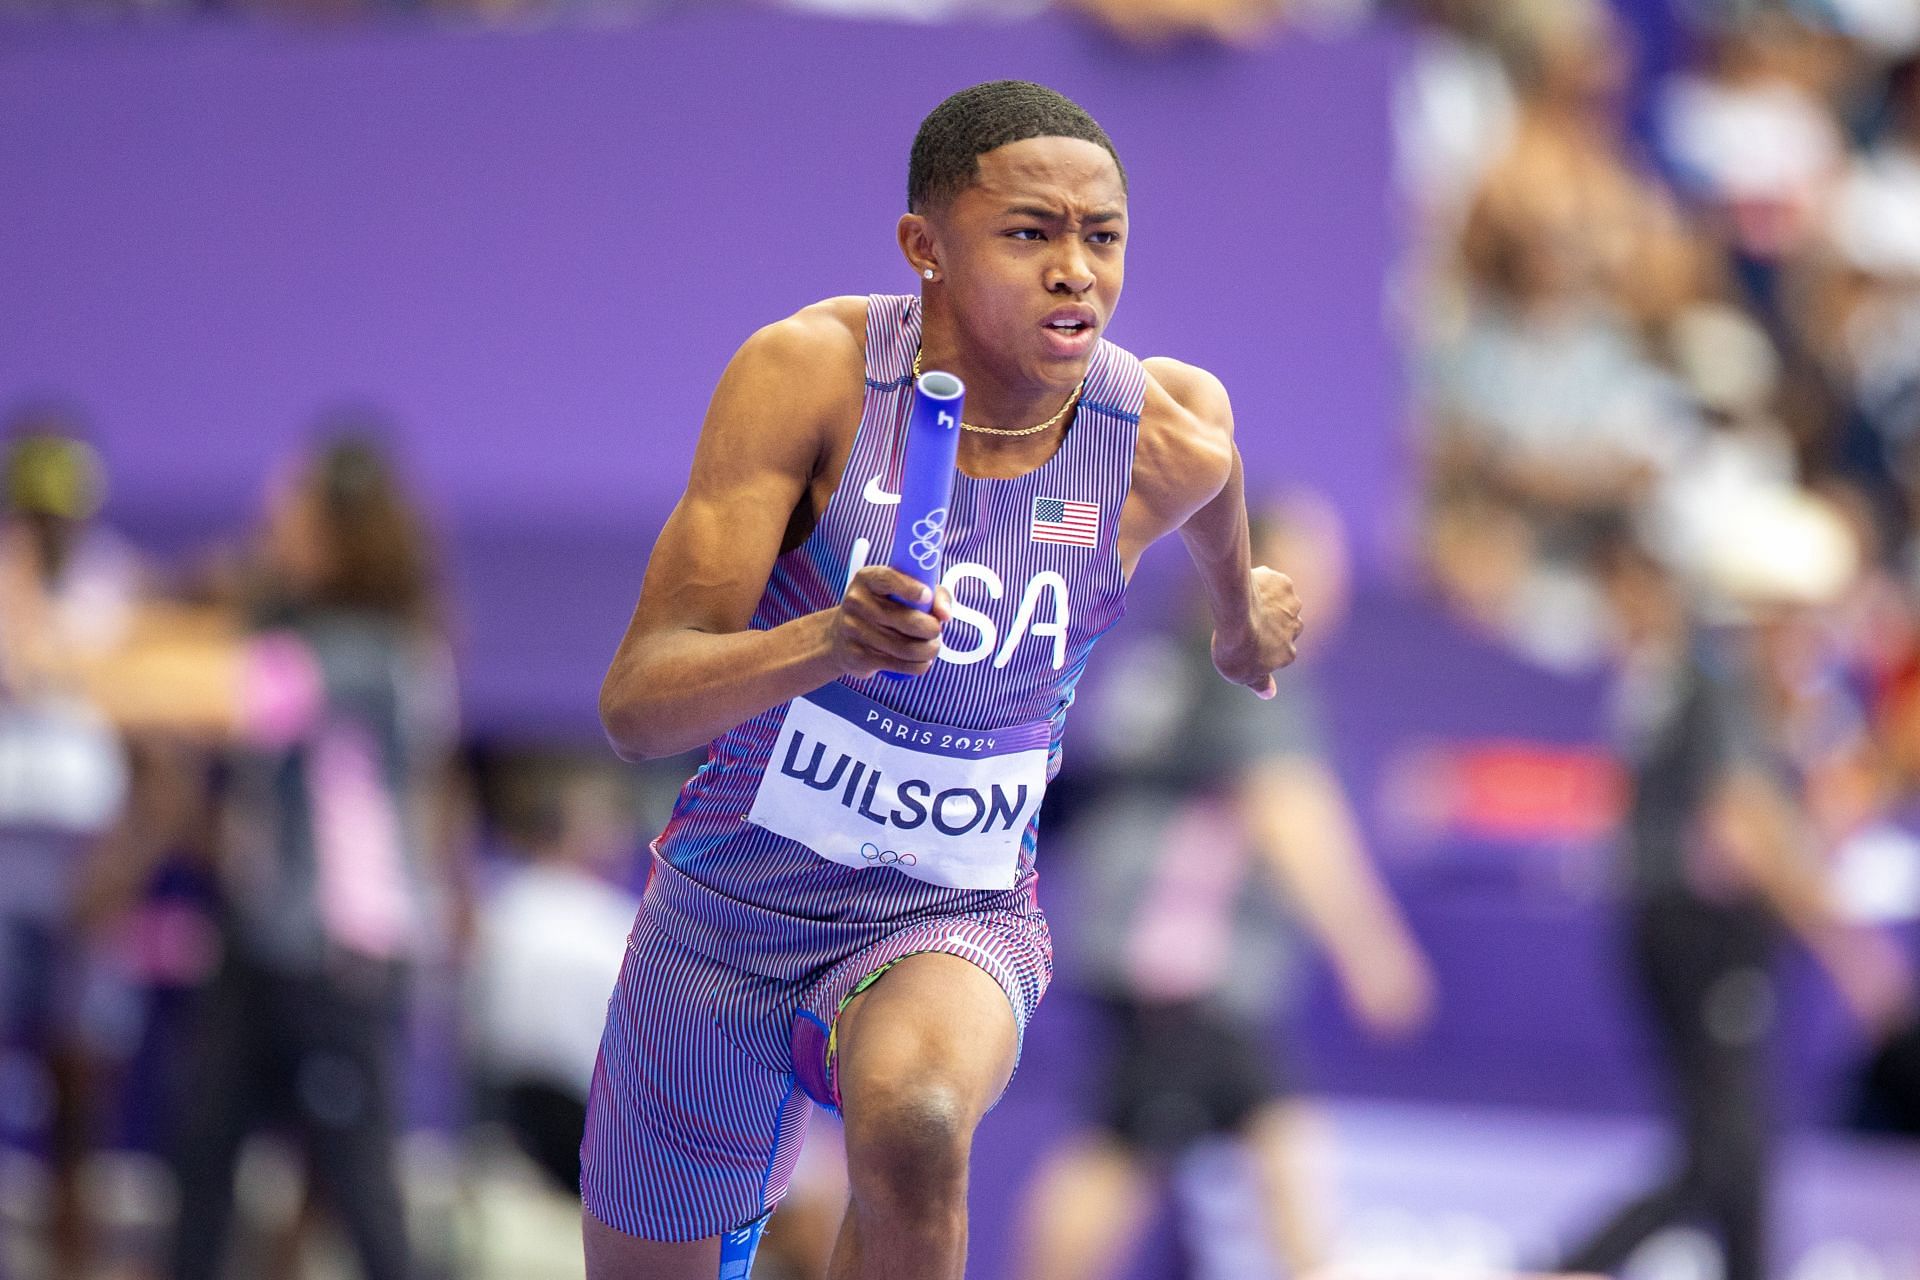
824	338
1186	427
809	367
1185	392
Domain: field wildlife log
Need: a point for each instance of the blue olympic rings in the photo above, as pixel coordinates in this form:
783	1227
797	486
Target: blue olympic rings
886	857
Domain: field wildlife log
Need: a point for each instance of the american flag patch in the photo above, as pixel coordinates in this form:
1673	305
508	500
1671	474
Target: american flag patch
1077	524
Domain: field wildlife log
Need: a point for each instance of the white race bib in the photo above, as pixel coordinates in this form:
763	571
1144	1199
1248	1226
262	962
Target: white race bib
865	786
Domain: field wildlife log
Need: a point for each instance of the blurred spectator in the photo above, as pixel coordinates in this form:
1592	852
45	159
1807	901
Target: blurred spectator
1219	835
1548	410
550	940
333	690
346	714
1862	320
67	586
1754	139
1722	731
1453	112
1730	372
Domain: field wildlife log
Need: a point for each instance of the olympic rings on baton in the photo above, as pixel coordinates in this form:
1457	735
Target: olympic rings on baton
886	857
928	536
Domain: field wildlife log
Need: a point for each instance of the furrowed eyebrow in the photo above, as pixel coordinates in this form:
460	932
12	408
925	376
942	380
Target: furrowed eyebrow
1044	214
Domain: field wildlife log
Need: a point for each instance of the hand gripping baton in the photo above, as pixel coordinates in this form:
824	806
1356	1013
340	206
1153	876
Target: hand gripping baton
926	482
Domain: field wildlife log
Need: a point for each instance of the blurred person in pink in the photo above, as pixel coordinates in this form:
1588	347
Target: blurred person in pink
330	687
343	713
1217	845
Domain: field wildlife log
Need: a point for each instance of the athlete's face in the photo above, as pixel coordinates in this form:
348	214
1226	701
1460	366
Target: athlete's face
1030	258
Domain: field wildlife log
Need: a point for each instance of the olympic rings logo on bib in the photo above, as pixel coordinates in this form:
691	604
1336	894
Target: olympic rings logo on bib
886	857
929	533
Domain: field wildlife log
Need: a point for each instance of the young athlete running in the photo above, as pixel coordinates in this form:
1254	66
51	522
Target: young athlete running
842	910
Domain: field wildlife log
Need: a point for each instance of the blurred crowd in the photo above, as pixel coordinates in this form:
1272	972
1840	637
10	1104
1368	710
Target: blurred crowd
1670	321
254	889
1669	298
1668	399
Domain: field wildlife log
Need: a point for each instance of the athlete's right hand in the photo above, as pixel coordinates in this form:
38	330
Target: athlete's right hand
871	631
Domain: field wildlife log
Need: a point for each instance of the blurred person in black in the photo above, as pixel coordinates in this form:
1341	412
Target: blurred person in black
66	588
1718	726
1215	837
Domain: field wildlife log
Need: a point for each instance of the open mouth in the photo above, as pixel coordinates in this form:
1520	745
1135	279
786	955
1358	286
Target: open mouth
1070	324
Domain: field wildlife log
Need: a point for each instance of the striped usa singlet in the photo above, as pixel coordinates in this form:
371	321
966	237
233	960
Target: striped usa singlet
1029	605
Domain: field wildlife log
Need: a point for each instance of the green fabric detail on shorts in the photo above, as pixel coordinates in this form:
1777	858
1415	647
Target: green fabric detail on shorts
833	1032
863	984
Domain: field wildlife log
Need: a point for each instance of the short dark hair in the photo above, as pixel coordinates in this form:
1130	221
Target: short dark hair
974	121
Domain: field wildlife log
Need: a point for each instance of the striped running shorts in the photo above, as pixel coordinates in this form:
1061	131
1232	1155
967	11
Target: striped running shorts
707	1074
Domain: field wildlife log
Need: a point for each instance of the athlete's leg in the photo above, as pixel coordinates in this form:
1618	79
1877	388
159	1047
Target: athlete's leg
689	1136
1085	1212
922	1054
1290	1148
615	1255
800	1239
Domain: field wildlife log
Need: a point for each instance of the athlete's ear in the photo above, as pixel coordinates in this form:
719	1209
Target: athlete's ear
920	245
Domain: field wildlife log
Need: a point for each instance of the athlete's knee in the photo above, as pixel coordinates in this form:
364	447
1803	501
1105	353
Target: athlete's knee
907	1146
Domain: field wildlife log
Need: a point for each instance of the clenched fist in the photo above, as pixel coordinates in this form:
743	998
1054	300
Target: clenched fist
1250	652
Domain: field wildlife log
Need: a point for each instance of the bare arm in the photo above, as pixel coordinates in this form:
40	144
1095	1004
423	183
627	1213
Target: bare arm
1756	826
689	668
1752	821
1187	476
179	669
1303	827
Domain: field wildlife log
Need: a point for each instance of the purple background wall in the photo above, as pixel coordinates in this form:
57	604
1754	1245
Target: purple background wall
537	250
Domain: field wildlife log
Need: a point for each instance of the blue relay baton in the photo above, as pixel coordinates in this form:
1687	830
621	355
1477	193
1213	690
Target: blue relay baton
926	482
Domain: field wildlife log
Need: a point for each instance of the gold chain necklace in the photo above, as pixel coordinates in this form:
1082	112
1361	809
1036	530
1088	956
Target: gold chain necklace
1054	421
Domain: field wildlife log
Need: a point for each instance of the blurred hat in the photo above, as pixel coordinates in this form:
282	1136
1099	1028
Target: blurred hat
52	475
1777	546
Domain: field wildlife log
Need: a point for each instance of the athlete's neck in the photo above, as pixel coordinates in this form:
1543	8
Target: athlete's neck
997	396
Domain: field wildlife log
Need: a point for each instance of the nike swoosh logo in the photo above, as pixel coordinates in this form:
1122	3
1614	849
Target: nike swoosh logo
878	496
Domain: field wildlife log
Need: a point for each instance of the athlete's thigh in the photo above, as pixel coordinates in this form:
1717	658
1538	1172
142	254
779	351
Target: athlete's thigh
615	1255
932	1018
688	1135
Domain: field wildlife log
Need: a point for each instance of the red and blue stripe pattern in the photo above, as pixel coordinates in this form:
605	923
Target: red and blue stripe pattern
689	1134
747	942
771	905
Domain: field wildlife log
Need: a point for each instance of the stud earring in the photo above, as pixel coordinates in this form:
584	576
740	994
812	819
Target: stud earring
927	272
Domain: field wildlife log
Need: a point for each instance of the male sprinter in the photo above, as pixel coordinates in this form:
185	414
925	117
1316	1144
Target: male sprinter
847	825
